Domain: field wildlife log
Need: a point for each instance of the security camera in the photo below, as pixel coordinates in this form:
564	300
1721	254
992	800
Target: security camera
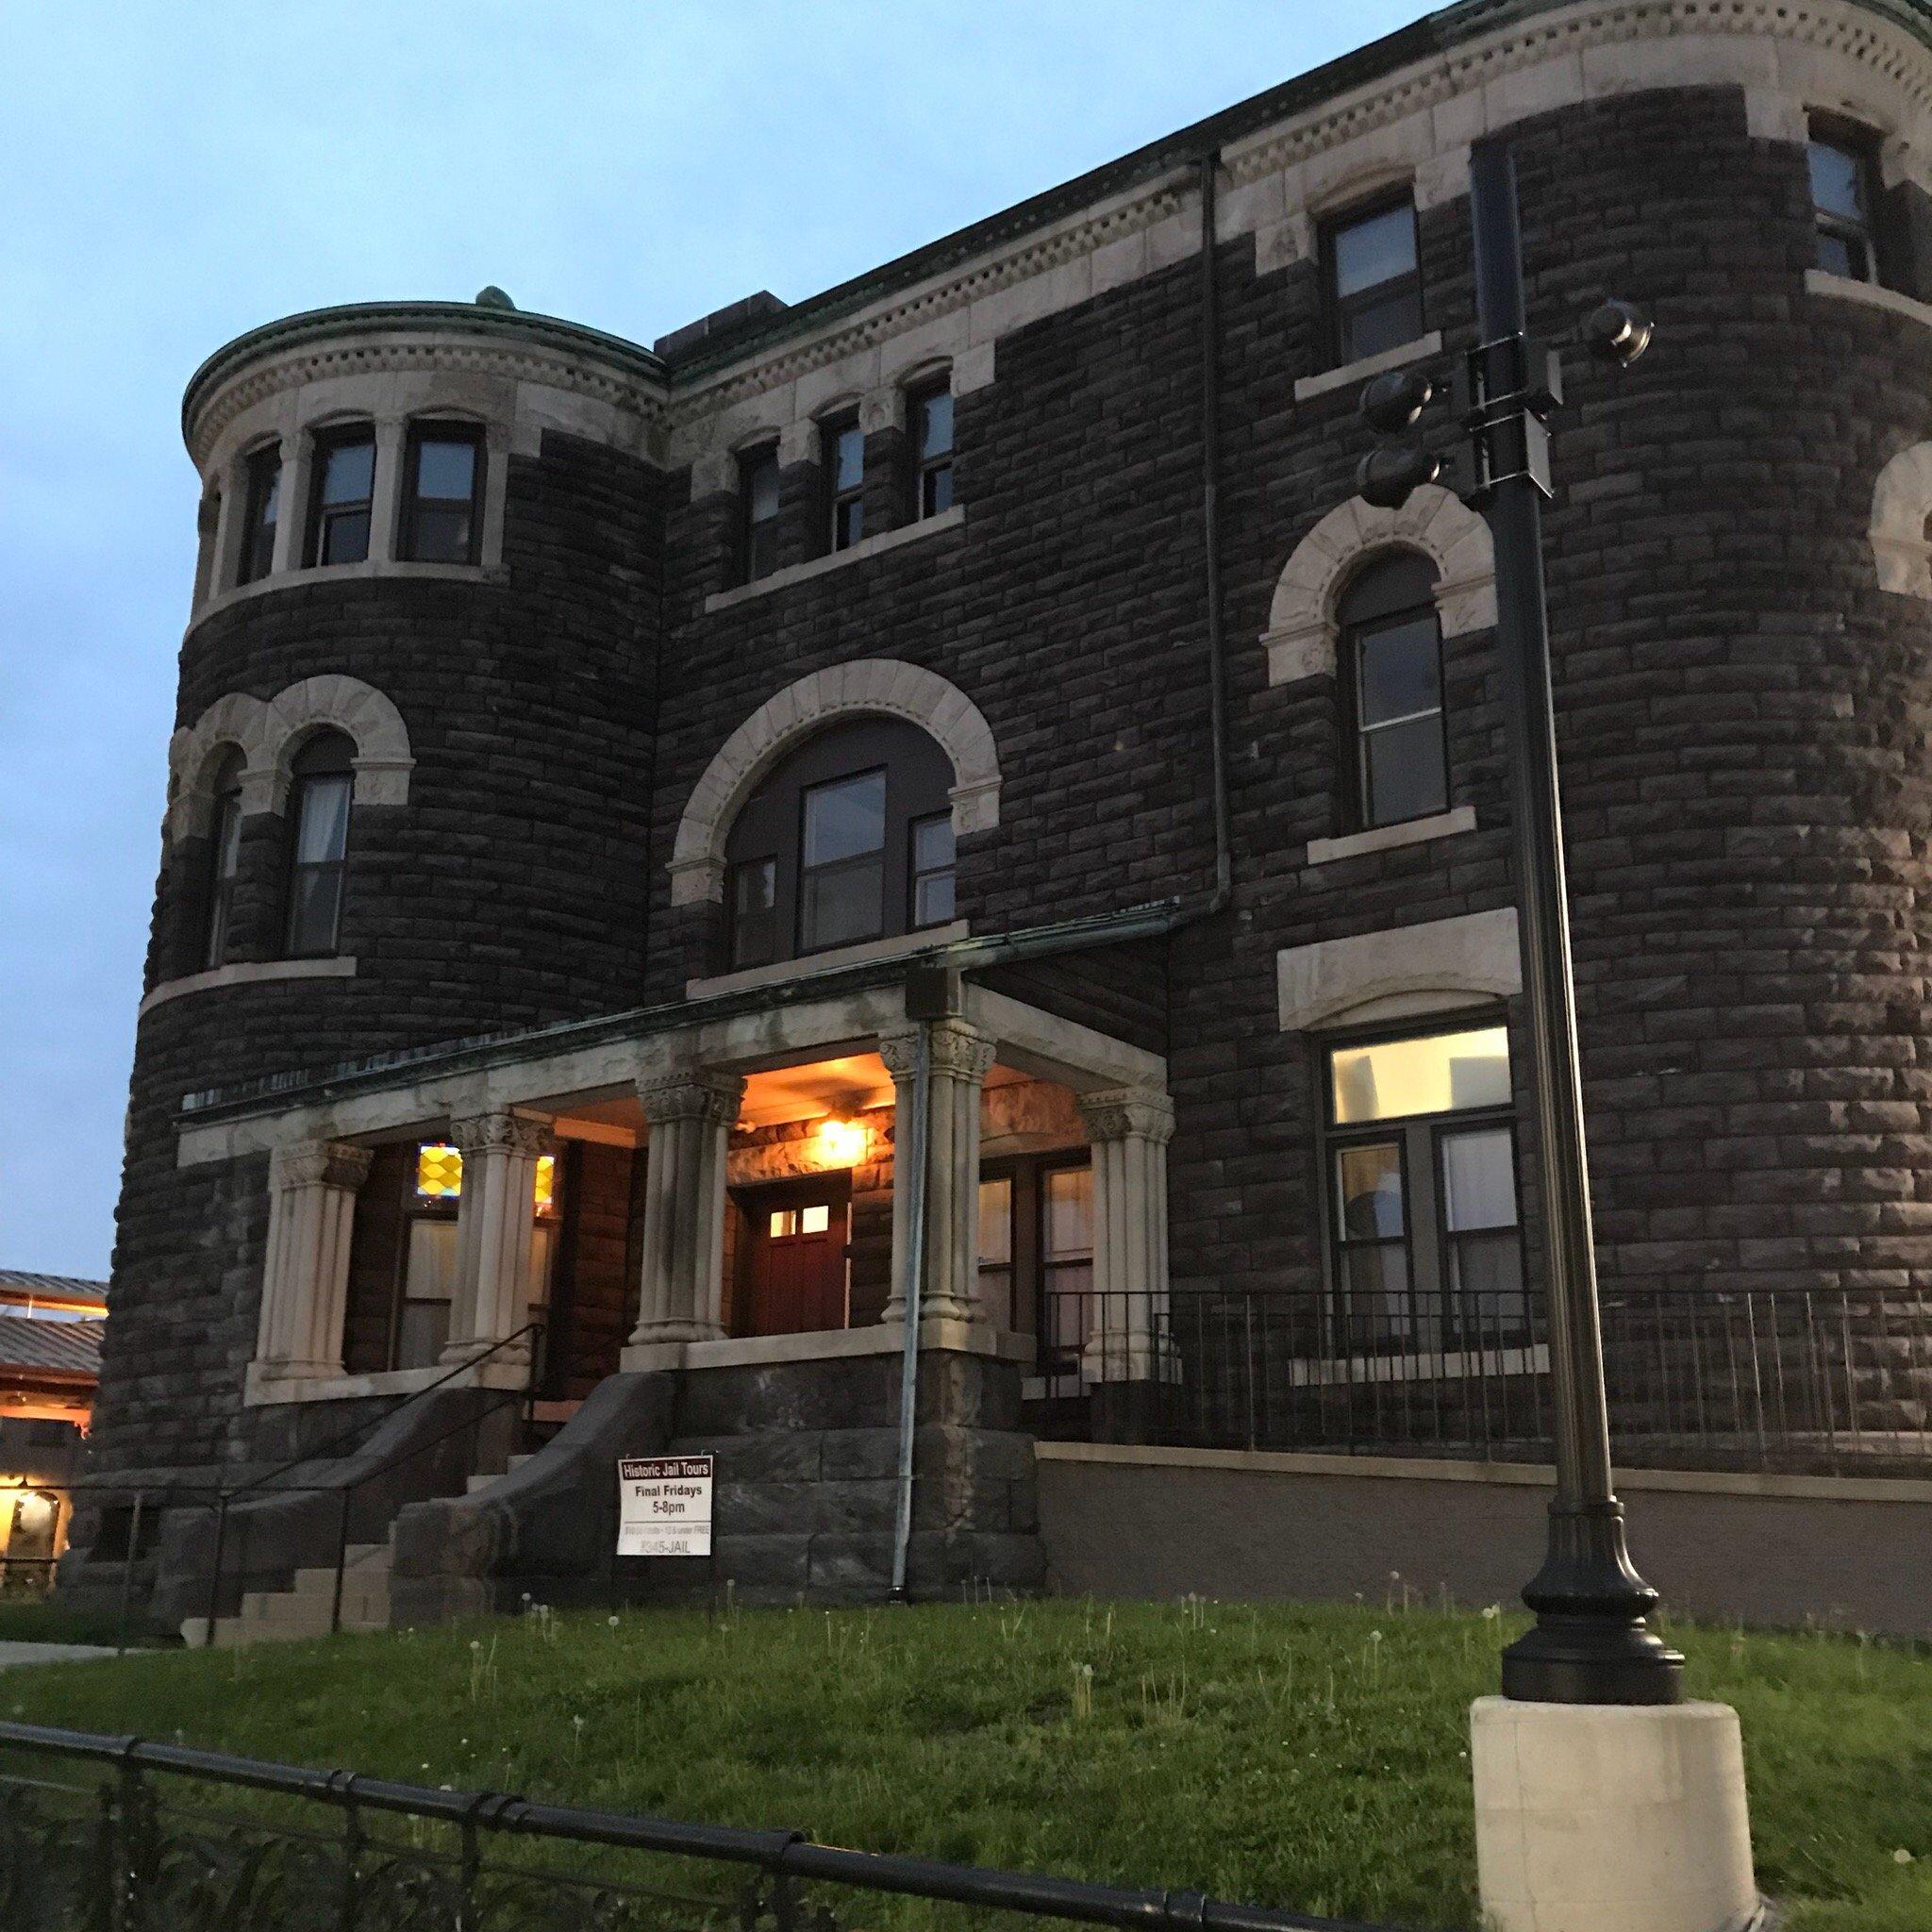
1616	332
1395	401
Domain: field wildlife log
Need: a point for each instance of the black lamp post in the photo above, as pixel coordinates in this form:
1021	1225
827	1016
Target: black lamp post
1590	1643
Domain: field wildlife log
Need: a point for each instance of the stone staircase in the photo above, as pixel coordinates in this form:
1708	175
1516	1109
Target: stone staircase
305	1608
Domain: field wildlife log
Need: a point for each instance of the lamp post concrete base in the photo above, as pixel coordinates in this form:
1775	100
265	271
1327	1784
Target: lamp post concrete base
1612	1818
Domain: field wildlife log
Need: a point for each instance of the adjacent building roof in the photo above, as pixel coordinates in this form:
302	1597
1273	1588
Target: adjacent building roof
53	1286
61	1348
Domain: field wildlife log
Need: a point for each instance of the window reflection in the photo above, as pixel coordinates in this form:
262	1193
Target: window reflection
1444	1072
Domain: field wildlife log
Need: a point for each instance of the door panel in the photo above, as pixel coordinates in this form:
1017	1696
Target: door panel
795	1274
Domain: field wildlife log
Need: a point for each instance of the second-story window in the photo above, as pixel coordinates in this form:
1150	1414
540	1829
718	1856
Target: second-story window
263	511
344	495
1393	650
318	843
843	456
1844	171
442	478
758	492
849	839
1374	290
930	413
224	859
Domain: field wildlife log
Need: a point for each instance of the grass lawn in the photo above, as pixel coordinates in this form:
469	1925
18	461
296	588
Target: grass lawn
42	1620
1309	1757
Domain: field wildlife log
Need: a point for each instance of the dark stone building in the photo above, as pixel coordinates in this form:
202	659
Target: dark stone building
942	793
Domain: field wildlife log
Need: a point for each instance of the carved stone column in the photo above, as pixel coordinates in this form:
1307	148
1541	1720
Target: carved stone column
1129	1129
305	1283
385	507
961	1058
496	1251
681	1296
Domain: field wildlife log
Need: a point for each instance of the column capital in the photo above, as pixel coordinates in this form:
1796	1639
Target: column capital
319	1163
502	1130
958	1050
1127	1113
691	1095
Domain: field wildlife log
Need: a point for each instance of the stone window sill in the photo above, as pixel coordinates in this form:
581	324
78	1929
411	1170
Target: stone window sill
1307	387
954	518
1442	824
897	947
247	972
351	573
1819	282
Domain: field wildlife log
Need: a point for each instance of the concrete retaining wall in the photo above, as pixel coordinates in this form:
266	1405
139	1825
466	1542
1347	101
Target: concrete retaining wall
1852	1552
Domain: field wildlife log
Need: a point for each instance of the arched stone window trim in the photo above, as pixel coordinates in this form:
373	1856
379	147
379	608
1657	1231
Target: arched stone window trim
872	684
1302	633
1901	507
269	734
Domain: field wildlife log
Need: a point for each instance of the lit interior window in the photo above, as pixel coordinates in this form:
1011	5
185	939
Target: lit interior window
791	1221
1442	1073
439	1175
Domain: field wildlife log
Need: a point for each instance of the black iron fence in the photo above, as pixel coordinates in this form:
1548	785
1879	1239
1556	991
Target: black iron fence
1774	1379
101	1834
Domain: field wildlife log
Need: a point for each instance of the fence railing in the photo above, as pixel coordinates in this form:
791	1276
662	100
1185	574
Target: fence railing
1774	1379
103	1834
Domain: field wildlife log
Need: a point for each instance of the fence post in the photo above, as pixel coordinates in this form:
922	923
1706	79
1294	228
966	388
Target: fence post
335	1608
128	1569
214	1581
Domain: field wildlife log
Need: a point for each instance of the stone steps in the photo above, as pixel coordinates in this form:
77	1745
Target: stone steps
483	1478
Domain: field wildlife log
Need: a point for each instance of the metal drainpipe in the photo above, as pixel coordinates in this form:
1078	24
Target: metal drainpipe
1210	533
913	1149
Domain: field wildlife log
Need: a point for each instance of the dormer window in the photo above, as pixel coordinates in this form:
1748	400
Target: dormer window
344	495
1844	193
262	511
443	476
1373	280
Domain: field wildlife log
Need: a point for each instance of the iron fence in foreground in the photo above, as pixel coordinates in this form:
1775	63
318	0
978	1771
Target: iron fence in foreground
103	1834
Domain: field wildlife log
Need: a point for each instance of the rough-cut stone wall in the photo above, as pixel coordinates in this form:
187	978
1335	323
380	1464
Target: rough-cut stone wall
1742	715
506	891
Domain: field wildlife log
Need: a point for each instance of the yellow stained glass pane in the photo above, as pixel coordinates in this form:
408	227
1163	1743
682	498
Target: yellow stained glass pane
1443	1073
438	1173
546	1184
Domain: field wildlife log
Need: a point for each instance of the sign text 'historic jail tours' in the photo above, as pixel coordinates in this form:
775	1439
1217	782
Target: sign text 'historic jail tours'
664	1506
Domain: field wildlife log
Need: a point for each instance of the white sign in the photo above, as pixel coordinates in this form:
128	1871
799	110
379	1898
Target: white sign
664	1506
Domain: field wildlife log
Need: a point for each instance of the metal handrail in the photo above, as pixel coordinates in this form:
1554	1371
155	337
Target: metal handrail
781	1854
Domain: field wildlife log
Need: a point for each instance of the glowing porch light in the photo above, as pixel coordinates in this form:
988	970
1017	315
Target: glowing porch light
840	1142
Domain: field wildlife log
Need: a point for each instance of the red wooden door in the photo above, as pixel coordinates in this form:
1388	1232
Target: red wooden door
797	1274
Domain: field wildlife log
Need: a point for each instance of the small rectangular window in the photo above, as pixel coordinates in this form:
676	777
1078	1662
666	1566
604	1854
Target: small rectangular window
1375	288
1440	1072
1843	195
931	425
843	452
321	848
443	475
754	913
227	857
1402	752
842	879
344	495
758	490
933	857
263	509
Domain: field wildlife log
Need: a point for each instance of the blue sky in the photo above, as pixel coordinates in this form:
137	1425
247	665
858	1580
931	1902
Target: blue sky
171	175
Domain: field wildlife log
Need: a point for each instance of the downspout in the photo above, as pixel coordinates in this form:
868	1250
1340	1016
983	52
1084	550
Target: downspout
1210	537
912	1290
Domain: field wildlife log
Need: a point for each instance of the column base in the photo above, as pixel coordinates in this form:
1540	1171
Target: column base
1612	1818
264	1378
655	1334
457	1354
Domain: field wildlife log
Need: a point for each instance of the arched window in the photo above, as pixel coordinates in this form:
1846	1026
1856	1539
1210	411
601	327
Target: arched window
224	858
318	842
1392	684
850	838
